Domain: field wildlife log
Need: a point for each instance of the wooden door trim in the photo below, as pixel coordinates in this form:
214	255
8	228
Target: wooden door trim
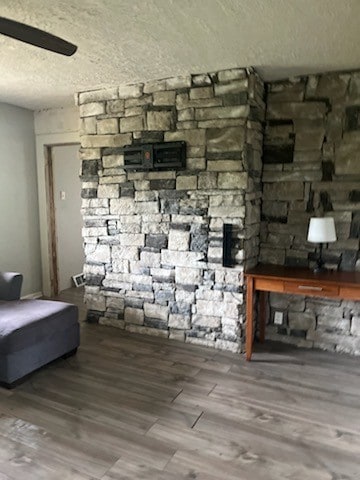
51	217
53	263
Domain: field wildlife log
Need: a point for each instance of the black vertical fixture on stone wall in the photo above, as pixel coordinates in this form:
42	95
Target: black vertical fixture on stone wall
227	245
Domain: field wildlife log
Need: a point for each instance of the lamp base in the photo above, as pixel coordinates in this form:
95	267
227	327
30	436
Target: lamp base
319	269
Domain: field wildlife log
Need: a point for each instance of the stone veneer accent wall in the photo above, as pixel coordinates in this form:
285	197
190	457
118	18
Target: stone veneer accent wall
153	240
312	167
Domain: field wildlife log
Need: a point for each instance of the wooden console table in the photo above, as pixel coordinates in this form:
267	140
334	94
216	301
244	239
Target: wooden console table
298	281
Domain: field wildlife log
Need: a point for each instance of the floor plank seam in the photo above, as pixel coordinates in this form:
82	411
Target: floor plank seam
176	396
196	421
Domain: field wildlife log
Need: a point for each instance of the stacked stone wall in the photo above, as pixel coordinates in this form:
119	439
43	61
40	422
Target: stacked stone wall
312	168
154	240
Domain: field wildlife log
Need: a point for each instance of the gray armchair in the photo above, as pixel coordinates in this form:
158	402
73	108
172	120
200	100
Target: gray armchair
10	285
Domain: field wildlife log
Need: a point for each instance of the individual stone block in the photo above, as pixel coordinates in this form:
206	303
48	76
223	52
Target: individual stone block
88	126
164	98
233	87
154	86
232	74
355	226
97	253
98	95
206	321
284	191
224	165
89	168
305	110
309	140
179	240
156	241
347	160
94	231
125	253
134	316
201	80
228	346
239	111
108	191
160	120
332	86
195	164
227	211
355	326
115	106
153	310
131	124
146	208
92	109
332	324
274	256
207	180
233	180
122	206
225	139
302	320
113	161
150	259
133	112
107	126
191	137
95	302
201	92
186	114
181	258
179	321
137	239
138	102
187	276
94	141
91	269
160	184
186	182
130	91
178	82
146	196
89	153
287	92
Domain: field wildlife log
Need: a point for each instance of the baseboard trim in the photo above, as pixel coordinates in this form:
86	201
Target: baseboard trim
32	296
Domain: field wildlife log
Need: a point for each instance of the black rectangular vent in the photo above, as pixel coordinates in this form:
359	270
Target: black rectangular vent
227	245
155	156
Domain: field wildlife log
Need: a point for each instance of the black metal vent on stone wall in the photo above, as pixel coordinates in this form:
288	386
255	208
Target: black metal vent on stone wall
155	156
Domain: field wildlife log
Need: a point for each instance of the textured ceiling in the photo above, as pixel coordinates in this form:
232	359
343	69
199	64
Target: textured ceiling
126	41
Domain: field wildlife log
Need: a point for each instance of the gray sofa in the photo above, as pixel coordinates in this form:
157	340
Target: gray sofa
32	332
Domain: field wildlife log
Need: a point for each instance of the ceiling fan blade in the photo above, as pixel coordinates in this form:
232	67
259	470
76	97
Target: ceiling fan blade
36	37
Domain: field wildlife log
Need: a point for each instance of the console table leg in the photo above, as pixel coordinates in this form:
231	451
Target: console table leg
262	316
249	317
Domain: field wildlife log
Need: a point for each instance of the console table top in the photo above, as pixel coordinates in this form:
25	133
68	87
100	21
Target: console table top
281	272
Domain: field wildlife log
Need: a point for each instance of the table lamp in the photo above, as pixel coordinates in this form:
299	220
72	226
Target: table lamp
321	230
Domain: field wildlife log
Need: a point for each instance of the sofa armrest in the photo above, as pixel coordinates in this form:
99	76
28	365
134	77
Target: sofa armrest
10	285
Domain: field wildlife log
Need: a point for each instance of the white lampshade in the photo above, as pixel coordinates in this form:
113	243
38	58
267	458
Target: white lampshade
322	230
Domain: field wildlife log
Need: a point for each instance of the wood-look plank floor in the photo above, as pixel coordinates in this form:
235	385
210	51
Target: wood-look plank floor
135	407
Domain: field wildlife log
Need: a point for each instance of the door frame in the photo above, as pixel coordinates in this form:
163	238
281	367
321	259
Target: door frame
44	144
51	216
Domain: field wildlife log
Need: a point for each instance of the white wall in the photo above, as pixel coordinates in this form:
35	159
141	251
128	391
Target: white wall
57	126
19	215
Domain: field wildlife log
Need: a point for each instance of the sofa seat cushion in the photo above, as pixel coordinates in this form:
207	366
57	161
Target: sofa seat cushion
27	322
